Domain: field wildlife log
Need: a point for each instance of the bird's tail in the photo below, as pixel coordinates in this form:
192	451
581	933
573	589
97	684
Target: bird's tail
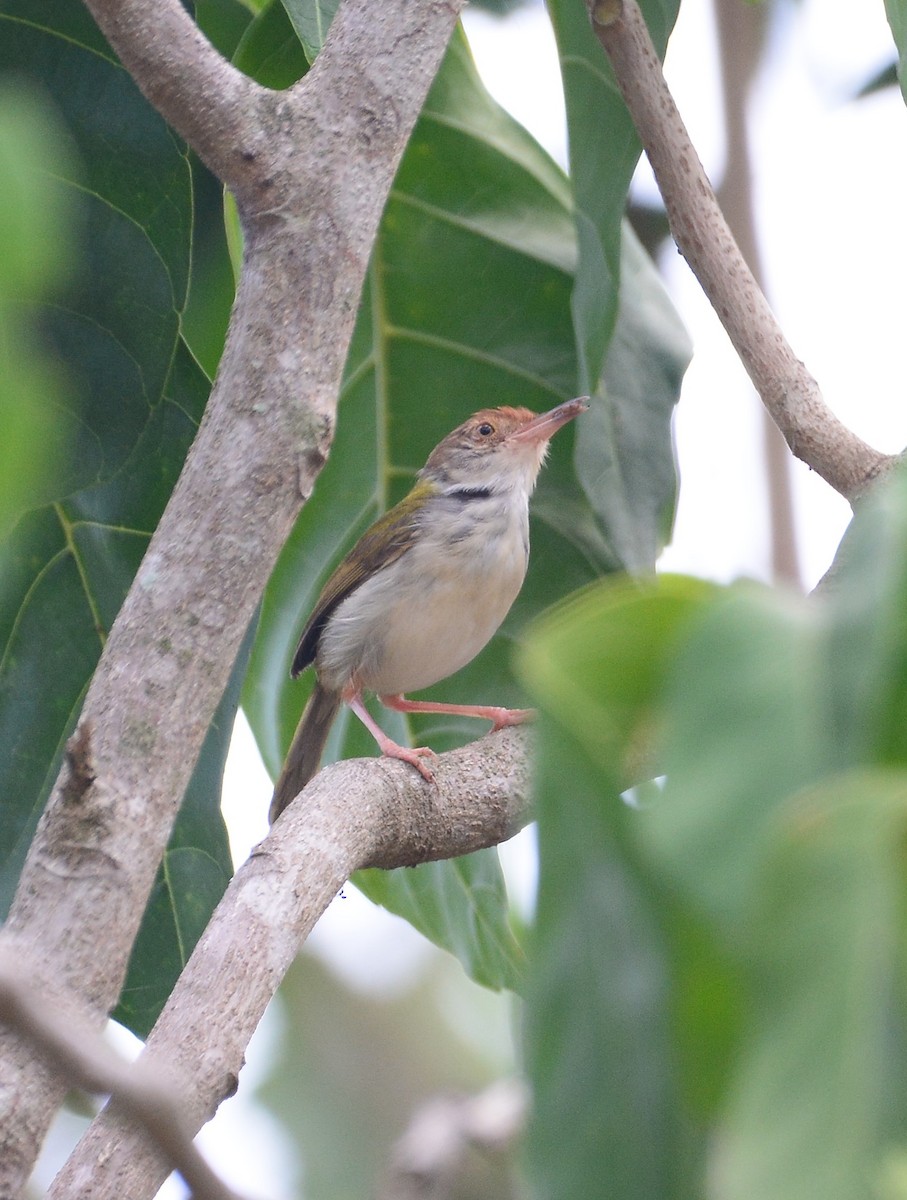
305	751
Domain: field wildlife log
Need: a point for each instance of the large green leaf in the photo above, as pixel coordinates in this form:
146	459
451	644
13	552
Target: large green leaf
631	348
604	150
134	397
819	1091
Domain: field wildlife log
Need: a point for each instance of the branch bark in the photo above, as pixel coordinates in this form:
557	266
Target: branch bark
357	813
788	391
311	169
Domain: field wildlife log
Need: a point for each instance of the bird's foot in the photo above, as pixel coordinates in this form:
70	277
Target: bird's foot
412	755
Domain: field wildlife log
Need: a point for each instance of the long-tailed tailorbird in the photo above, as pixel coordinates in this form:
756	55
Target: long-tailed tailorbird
425	587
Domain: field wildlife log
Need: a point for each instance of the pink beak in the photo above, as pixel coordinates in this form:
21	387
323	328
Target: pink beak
546	425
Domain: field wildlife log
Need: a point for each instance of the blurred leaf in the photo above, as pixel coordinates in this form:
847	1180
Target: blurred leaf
867	652
607	1116
745	722
597	663
896	11
808	1117
37	231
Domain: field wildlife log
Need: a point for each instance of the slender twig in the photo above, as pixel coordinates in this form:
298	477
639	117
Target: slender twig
357	813
86	1061
788	391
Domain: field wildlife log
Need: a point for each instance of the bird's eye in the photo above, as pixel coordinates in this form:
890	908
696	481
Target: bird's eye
486	429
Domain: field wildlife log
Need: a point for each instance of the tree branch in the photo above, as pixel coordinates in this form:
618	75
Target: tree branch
263	439
357	813
788	391
85	1060
205	99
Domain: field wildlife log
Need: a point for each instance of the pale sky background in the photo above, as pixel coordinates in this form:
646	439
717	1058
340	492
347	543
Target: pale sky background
830	178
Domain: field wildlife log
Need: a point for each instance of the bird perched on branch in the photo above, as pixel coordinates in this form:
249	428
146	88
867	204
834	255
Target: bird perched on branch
425	587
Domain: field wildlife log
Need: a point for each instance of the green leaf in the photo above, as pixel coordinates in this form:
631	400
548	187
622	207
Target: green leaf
866	602
607	1116
896	11
745	721
604	150
597	663
269	50
460	905
311	19
37	225
632	350
822	1073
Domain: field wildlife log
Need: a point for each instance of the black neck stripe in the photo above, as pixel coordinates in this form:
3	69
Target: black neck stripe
466	494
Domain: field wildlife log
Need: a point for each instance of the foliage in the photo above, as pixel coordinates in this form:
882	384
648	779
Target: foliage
727	953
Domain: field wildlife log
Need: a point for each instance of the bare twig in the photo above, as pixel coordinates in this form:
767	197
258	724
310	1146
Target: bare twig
312	169
85	1061
787	389
357	813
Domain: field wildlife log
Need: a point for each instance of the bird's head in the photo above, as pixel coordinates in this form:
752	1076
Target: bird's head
498	449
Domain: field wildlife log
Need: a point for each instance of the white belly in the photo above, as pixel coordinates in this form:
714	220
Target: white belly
427	615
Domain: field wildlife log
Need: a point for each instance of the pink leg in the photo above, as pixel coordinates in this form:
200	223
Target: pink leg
387	745
499	717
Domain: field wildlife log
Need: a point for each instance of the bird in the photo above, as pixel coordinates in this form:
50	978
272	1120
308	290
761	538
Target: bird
425	588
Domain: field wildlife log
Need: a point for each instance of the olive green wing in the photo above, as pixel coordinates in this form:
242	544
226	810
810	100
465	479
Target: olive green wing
382	543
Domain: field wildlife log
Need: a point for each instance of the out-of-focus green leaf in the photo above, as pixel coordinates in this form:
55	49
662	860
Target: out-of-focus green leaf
598	661
607	1117
37	232
810	1114
867	652
768	857
896	11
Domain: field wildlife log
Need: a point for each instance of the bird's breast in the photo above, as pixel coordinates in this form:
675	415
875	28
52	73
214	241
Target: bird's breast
426	615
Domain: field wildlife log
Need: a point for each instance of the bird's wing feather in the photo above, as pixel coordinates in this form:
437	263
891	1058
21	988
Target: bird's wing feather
383	543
